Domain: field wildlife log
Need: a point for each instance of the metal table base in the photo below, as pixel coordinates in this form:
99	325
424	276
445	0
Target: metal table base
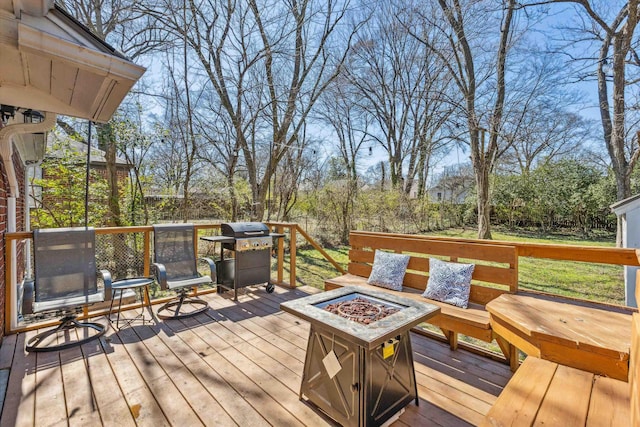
140	285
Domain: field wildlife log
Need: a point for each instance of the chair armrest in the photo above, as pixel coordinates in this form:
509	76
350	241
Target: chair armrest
27	297
160	275
212	268
106	278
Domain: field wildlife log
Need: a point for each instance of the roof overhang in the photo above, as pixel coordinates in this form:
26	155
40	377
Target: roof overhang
51	62
623	206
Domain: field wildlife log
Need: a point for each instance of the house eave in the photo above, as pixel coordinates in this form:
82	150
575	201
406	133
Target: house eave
53	63
623	206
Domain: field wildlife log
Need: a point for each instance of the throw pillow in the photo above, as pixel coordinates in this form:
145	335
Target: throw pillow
388	270
449	282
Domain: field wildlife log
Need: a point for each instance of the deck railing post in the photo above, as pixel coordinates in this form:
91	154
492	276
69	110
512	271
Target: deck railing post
280	229
292	256
146	262
9	286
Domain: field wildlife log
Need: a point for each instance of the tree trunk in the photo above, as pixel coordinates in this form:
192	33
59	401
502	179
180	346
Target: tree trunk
106	142
623	191
423	170
484	202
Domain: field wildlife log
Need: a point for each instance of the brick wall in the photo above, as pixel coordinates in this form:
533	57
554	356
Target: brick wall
20	214
4	192
3	229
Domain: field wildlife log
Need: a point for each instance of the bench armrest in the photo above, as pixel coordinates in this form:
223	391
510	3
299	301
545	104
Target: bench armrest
212	268
26	299
106	278
160	275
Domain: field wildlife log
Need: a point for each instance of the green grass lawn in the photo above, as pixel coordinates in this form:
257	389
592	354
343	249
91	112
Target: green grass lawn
312	268
598	238
598	282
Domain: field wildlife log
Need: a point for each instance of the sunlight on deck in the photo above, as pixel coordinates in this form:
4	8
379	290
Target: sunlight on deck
237	364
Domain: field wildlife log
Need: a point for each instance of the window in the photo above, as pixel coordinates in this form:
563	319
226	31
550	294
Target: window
35	191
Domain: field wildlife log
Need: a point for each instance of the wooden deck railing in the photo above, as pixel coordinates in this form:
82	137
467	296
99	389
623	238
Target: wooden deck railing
594	254
556	252
589	254
291	231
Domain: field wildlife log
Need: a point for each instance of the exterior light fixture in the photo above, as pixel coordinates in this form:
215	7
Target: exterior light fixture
6	112
32	116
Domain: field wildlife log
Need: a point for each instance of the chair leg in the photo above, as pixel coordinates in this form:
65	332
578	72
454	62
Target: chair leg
67	323
175	306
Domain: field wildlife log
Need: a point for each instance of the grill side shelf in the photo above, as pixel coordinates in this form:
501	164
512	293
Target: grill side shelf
218	239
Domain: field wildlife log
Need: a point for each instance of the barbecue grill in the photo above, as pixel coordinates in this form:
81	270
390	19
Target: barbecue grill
251	243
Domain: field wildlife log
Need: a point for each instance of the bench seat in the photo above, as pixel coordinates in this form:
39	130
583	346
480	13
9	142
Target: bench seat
473	321
542	392
585	336
495	273
546	393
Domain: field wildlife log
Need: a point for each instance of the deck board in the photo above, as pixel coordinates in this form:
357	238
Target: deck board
80	403
50	408
19	403
144	407
111	404
199	361
239	363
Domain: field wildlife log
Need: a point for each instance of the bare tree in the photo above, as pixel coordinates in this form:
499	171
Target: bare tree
268	63
167	157
180	132
476	59
401	86
289	176
541	122
350	123
135	143
617	52
220	150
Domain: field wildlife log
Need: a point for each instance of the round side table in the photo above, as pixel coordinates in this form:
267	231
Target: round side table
140	286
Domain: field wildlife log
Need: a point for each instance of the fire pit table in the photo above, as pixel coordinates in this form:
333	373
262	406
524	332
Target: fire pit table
358	368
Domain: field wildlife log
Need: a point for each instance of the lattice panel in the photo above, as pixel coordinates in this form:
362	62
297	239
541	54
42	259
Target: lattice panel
121	254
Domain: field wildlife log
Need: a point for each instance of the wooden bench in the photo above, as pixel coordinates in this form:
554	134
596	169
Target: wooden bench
495	273
546	393
586	336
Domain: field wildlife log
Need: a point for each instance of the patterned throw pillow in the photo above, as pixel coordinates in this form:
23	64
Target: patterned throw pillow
449	282
388	270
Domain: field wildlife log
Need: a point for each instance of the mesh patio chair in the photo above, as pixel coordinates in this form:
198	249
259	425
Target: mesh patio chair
176	269
65	280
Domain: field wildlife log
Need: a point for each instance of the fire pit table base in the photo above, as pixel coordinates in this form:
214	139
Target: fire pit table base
359	364
370	386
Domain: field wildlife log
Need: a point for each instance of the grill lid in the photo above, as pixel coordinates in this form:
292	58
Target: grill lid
244	229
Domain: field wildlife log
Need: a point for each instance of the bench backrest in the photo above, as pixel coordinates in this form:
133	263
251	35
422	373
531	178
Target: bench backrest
495	273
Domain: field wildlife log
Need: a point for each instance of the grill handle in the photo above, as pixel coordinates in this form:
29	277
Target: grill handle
254	233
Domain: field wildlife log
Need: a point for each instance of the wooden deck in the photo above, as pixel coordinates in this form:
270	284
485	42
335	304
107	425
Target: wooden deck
237	364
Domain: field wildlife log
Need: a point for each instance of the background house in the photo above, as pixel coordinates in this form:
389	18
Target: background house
453	185
61	147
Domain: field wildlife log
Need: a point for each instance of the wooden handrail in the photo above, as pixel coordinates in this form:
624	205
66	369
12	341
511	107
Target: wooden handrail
594	254
319	248
146	231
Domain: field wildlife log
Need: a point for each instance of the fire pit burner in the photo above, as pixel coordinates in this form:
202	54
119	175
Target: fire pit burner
361	310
